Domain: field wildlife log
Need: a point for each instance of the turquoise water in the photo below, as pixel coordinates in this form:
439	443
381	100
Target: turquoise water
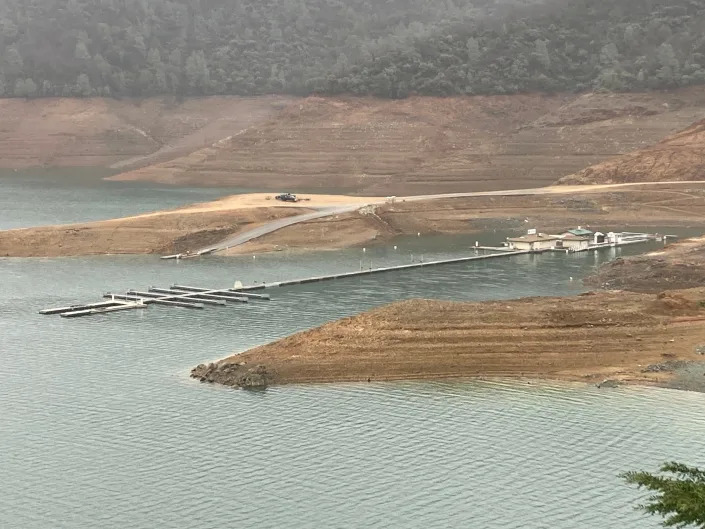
100	425
34	197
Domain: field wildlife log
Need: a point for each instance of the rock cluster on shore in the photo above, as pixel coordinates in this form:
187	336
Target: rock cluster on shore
233	374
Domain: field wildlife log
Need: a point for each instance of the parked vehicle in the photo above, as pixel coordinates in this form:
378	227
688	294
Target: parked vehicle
287	197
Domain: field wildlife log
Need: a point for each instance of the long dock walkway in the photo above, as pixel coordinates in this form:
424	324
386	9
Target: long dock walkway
191	297
395	268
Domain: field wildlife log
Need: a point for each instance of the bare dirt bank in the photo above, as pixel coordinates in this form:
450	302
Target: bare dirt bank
677	157
163	233
103	132
679	205
593	337
432	145
202	225
679	265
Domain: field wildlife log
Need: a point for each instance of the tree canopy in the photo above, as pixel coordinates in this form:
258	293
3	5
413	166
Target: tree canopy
679	495
390	49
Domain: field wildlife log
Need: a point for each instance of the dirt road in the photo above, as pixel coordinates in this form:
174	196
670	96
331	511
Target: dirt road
323	212
335	221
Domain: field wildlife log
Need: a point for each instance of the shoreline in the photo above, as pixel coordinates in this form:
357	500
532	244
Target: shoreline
620	336
360	221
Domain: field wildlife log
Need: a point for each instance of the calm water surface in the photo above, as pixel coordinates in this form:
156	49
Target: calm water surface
100	425
34	197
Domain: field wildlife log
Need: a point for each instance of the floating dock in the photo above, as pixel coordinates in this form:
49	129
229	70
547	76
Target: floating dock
397	268
175	296
190	297
103	310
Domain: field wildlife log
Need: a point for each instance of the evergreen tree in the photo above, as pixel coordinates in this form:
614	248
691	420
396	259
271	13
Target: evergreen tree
679	495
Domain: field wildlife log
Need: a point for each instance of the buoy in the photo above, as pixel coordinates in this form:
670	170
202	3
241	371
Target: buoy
395	247
254	257
364	250
418	234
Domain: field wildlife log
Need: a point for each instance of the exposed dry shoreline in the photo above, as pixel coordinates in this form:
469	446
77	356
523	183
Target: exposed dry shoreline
201	225
172	231
620	336
678	266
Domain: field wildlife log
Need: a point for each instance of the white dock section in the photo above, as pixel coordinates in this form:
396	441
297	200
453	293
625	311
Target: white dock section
102	310
196	297
396	268
230	292
221	296
158	301
74	308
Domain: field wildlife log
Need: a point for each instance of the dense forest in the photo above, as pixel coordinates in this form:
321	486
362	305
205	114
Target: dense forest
388	48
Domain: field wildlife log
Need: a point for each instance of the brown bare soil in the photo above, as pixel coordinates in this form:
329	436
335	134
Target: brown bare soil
679	265
432	145
63	132
678	157
617	208
201	225
164	233
592	337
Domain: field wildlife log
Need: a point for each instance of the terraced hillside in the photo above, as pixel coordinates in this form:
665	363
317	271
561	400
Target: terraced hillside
679	157
433	145
100	132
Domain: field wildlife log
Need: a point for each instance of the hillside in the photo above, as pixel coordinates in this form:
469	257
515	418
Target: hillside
679	157
433	145
103	132
395	48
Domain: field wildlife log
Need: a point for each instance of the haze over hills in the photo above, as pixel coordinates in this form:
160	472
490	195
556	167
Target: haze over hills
388	49
402	97
423	145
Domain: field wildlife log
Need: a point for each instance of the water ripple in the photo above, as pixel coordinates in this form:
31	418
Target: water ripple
100	421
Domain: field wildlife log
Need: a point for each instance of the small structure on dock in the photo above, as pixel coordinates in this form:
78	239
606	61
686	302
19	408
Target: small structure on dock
533	241
575	240
573	243
577	232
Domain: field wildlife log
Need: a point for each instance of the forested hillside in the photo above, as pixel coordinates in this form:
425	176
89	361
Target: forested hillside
389	48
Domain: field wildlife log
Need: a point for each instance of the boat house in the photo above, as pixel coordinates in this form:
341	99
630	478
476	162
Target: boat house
533	241
573	243
578	232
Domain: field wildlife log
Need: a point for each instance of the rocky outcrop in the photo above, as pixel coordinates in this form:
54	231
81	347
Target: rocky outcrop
234	374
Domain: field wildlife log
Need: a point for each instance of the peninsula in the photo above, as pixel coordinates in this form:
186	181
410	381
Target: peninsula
622	336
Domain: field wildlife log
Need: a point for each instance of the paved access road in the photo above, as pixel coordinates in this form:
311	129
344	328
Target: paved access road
269	227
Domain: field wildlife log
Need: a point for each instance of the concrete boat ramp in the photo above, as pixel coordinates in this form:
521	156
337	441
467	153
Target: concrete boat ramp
190	297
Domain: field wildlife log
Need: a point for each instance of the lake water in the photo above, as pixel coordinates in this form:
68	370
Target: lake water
34	197
100	425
